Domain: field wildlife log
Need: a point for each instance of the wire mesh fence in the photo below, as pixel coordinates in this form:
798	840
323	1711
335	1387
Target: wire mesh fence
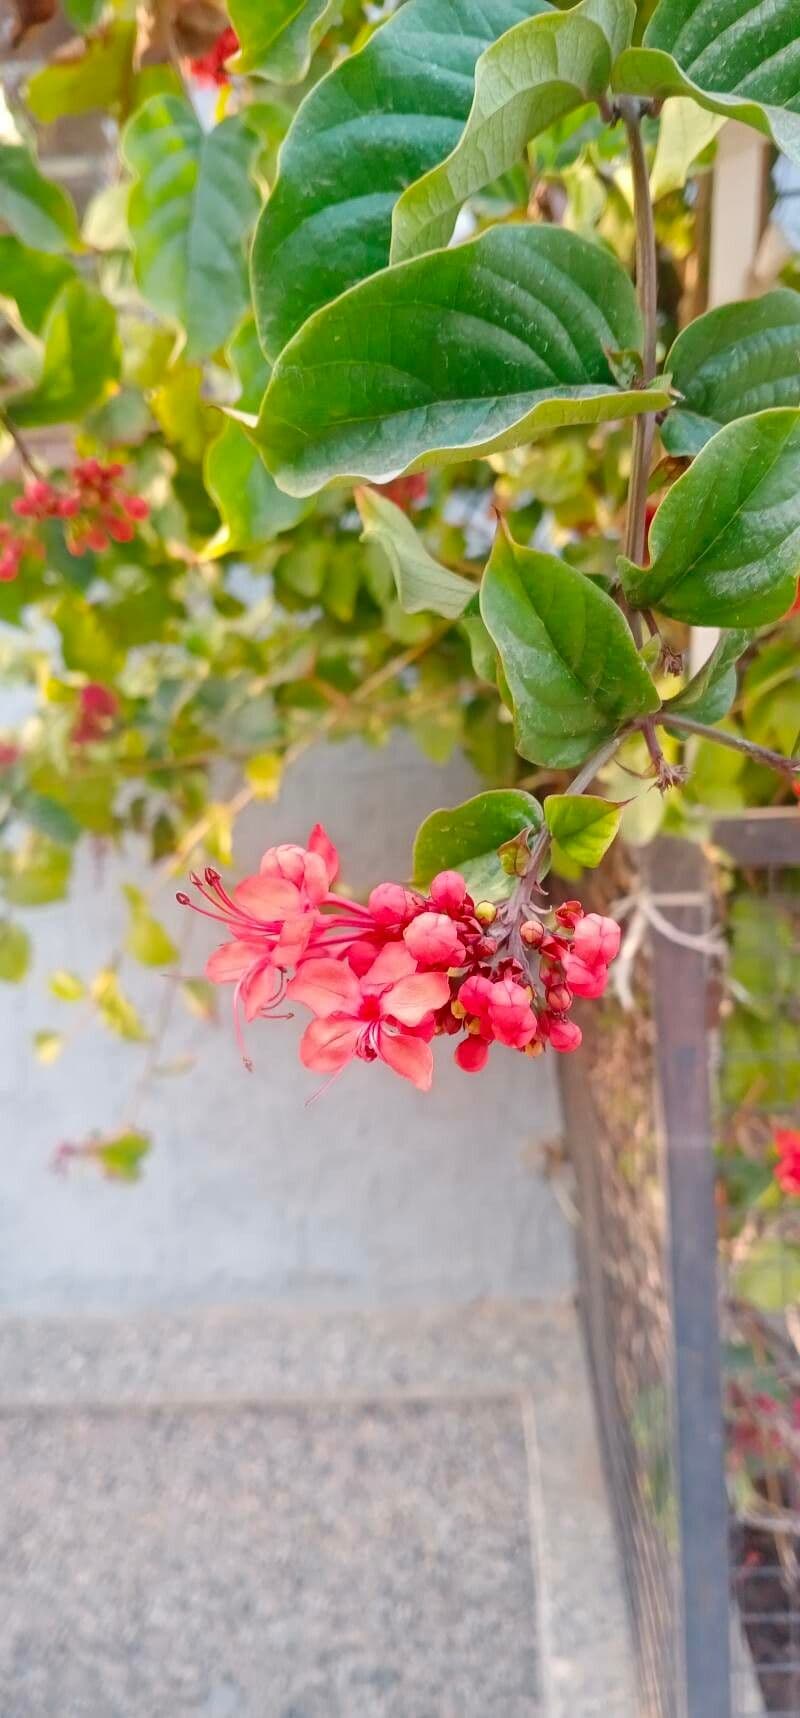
689	1253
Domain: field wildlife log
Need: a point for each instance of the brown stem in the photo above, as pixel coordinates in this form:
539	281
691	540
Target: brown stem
647	293
26	458
760	754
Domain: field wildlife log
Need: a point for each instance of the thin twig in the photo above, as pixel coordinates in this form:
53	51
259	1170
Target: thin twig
736	742
647	293
25	456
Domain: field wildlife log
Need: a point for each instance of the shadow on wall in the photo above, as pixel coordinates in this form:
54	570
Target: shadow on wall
376	1194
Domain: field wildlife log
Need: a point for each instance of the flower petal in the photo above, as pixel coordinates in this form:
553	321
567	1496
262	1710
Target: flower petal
410	999
267	898
231	961
259	991
394	961
320	842
326	987
408	1056
328	1045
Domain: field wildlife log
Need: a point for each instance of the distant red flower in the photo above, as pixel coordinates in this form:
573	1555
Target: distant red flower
403	491
787	1169
210	68
97	708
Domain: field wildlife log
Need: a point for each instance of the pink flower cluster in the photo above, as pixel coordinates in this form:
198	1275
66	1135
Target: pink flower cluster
96	506
382	980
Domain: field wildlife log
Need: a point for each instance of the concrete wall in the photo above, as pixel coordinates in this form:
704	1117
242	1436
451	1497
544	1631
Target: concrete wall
375	1194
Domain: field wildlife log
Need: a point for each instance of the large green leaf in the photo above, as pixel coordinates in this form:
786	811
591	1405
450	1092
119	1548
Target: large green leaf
252	507
424	586
536	73
738	359
740	58
38	211
81	356
189	214
31	279
370	128
467	837
708	696
462	351
725	542
568	656
278	37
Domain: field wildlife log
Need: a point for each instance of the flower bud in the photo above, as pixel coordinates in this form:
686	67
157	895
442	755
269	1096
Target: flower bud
472	1055
392	904
559	998
564	1035
486	912
569	913
433	940
532	933
447	892
596	939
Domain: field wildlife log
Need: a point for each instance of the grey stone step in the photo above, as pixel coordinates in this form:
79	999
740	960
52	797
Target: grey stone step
276	1514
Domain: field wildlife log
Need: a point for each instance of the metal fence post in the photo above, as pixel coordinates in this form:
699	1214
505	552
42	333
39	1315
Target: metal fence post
677	873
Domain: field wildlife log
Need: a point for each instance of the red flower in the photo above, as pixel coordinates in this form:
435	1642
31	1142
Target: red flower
787	1169
387	1015
403	491
98	707
210	68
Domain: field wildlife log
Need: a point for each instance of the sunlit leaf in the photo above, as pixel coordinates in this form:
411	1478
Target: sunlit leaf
423	584
15	952
583	825
81	357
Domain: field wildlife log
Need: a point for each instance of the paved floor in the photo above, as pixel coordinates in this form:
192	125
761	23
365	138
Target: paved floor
402	1517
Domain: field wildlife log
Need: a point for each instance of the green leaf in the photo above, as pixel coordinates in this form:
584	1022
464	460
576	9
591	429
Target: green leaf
725	542
47	1046
424	586
572	668
189	213
468	837
115	1009
66	986
582	824
372	126
31	279
15	952
464	351
736	360
540	70
122	1156
84	14
146	939
709	694
685	131
99	76
278	37
769	1274
81	356
38	211
36	873
253	509
738	58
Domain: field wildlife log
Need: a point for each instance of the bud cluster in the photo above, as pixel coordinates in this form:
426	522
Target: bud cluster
97	508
